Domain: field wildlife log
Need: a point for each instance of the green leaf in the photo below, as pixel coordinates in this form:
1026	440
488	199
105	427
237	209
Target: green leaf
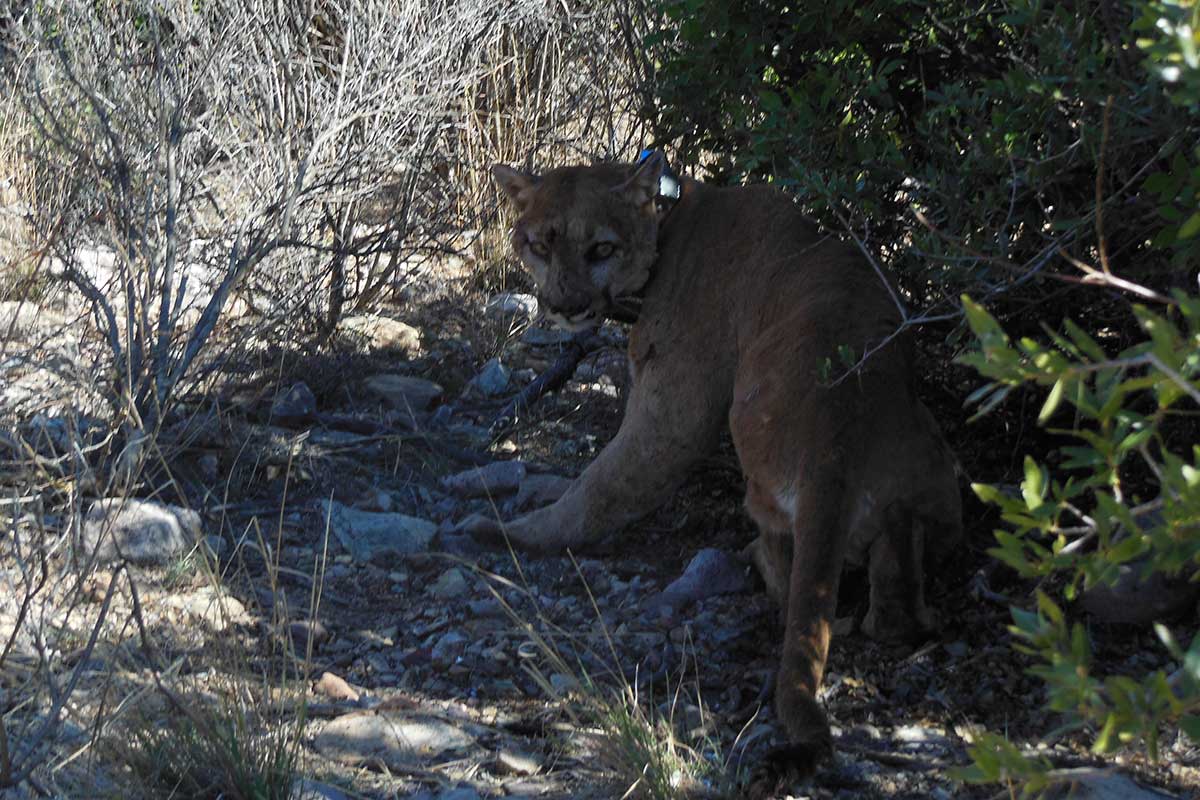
1190	227
1191	726
1083	341
988	493
1052	400
1033	488
982	323
1105	740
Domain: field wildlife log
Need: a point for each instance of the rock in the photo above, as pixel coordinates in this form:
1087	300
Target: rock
493	379
499	477
1090	783
335	688
382	333
376	500
461	793
403	392
308	789
511	304
545	337
400	741
488	607
295	405
449	585
540	490
366	535
210	605
921	736
1133	601
304	631
140	531
19	318
448	648
710	573
517	763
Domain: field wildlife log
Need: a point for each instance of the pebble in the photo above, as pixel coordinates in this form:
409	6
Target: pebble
451	584
494	379
448	648
296	404
499	477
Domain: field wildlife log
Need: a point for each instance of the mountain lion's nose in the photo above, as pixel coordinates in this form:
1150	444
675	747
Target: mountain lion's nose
570	306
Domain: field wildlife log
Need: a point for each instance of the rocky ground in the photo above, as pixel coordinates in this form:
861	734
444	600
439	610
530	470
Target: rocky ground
322	553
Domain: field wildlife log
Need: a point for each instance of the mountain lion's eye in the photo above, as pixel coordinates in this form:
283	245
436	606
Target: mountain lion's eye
540	250
600	251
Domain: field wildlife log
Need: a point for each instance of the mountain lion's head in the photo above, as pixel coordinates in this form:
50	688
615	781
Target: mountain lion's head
587	234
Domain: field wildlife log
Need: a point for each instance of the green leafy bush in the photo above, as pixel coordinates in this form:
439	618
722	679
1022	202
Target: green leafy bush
1016	130
1125	492
1024	153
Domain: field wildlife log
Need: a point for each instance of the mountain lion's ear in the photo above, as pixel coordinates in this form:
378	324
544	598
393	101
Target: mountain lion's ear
642	186
514	183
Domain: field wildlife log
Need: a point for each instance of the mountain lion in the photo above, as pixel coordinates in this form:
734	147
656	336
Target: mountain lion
744	309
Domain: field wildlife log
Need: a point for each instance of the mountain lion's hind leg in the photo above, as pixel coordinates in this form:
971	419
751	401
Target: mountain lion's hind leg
897	611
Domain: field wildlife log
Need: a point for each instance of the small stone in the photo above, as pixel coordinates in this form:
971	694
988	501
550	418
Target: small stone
451	584
376	500
308	789
381	333
211	606
398	740
403	392
545	337
517	763
305	631
367	535
335	688
916	734
493	379
295	405
140	531
448	648
489	607
461	793
510	304
499	477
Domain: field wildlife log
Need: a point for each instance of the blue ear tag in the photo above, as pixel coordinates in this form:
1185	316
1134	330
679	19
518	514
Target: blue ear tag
668	183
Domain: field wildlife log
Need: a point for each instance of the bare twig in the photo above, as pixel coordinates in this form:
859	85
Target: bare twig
550	380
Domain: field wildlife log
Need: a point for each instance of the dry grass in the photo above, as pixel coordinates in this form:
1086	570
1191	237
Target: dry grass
556	91
648	749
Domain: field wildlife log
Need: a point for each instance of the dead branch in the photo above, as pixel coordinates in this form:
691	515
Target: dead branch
549	381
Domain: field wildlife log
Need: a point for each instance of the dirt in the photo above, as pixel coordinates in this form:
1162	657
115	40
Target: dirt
402	635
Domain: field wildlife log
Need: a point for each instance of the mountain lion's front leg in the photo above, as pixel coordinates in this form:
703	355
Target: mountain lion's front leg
670	421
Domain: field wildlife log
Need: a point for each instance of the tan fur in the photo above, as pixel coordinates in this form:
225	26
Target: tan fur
743	305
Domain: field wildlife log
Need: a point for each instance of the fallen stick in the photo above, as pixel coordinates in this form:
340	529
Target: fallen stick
558	373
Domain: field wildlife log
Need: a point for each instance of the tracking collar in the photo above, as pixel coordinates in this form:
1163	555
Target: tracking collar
668	185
